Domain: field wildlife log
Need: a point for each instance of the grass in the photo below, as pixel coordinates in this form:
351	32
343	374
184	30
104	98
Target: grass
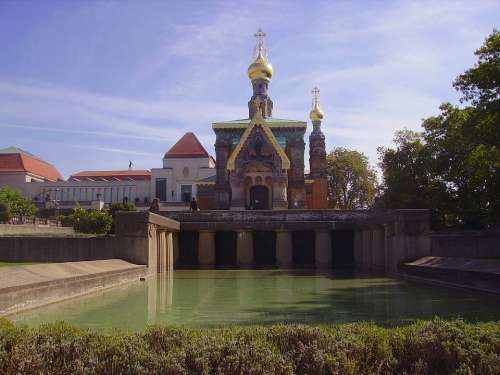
10	264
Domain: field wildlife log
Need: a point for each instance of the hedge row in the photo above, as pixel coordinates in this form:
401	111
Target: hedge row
431	347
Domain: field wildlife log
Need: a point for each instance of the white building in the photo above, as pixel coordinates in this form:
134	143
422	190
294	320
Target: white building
18	167
185	163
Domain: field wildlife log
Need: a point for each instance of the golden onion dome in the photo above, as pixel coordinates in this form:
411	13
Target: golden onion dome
260	69
316	113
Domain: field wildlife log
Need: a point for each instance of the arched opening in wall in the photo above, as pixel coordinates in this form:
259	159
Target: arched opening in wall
188	249
264	248
342	248
303	243
225	249
259	197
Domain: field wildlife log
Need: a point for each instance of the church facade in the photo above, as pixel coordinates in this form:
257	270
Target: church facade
260	160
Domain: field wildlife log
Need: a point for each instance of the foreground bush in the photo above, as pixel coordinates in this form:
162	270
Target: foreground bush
91	221
4	213
18	205
435	347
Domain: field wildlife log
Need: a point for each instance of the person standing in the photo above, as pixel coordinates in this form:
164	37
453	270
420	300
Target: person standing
194	205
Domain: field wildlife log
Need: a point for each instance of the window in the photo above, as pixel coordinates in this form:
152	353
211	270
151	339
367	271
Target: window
161	189
186	192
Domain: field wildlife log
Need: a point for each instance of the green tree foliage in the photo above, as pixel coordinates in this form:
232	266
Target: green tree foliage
115	207
91	221
351	180
453	167
18	205
407	178
481	84
4	213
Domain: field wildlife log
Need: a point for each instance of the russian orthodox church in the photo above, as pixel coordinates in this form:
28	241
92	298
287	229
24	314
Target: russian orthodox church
259	164
260	159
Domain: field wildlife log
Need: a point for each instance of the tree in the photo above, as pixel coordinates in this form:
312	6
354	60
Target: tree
407	178
466	156
453	167
351	180
18	205
480	84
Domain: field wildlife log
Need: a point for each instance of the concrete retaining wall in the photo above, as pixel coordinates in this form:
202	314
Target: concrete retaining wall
56	249
464	244
34	229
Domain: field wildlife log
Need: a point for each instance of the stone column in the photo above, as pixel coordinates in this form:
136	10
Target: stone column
358	247
244	249
206	249
323	249
169	252
175	250
284	255
237	193
378	248
367	260
162	252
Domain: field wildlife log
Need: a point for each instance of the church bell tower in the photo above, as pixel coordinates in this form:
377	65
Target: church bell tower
317	155
260	73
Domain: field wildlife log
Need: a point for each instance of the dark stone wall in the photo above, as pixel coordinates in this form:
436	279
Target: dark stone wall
56	249
466	244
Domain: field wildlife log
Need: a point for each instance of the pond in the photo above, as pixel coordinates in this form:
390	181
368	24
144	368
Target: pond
245	297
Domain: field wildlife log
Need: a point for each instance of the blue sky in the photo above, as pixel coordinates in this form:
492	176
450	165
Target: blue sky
91	84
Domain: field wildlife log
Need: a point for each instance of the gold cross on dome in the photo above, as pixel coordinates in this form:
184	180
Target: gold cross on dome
260	47
315	92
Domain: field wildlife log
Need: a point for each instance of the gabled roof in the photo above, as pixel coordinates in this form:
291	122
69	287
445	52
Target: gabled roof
187	147
13	159
258	120
125	175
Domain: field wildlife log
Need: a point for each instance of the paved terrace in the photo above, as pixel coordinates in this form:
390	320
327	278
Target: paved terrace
23	287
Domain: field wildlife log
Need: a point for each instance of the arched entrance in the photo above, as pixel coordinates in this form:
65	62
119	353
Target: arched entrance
259	197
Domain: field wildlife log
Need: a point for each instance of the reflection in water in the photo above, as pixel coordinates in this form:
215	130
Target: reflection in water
222	297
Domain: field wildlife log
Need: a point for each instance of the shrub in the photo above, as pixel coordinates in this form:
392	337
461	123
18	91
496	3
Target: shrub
17	203
4	213
115	207
435	347
91	221
48	213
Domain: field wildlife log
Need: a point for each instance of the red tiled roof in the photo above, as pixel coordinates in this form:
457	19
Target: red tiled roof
120	175
187	147
20	162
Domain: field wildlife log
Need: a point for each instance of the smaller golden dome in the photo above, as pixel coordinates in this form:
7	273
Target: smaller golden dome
260	69
316	113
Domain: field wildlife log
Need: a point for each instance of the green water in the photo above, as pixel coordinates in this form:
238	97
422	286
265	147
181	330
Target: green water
226	297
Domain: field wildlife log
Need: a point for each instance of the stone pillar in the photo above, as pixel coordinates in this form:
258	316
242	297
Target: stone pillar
244	249
367	260
169	252
323	249
358	247
280	195
378	248
206	249
175	245
162	252
284	255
